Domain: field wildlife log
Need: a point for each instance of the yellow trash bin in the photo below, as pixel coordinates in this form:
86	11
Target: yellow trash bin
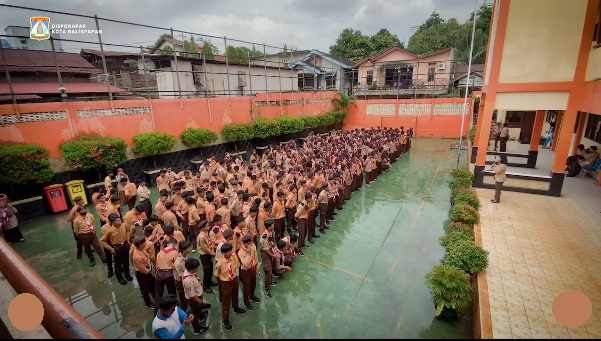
75	189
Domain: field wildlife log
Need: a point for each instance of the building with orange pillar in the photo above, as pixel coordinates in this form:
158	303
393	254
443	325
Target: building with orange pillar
544	57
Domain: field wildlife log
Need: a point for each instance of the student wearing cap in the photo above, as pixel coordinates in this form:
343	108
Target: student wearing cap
83	227
164	276
192	289
130	191
70	218
249	269
116	241
143	270
178	270
279	215
267	255
226	272
205	250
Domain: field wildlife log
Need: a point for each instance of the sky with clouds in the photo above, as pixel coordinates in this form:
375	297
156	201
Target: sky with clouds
304	24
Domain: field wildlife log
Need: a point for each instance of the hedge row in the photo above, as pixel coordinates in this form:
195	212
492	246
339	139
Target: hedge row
264	127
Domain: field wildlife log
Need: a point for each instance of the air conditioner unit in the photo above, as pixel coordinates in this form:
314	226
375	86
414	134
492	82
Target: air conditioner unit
442	66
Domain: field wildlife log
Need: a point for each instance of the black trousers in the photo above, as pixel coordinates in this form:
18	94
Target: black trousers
290	221
147	207
79	244
121	259
163	278
207	269
198	312
146	282
12	235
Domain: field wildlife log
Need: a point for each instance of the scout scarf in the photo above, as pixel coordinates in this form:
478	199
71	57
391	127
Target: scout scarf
281	256
168	249
230	269
89	223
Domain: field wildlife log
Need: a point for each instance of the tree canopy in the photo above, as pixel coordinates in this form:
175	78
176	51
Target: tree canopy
240	54
354	45
436	33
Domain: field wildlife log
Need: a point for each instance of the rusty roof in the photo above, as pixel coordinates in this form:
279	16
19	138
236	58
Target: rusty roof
43	61
32	88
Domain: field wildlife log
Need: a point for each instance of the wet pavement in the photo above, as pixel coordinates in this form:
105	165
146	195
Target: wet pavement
363	279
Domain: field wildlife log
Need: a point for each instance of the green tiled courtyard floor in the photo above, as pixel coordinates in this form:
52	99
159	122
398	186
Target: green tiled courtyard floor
363	279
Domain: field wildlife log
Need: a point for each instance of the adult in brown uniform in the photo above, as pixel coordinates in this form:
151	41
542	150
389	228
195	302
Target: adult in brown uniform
115	240
249	269
70	218
143	270
83	227
226	272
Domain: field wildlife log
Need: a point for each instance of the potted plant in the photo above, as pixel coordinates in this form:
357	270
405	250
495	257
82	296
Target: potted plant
342	105
235	132
465	254
466	196
94	152
456	235
464	214
451	291
198	137
290	125
310	122
324	121
152	144
264	128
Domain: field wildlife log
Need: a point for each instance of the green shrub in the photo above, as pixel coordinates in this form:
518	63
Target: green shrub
460	226
339	115
325	119
22	163
457	183
153	143
466	255
450	288
310	121
198	137
237	132
290	125
265	127
460	173
94	152
455	236
466	196
472	134
464	214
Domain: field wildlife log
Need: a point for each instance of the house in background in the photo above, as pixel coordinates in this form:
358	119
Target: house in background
398	72
460	79
322	71
282	59
34	77
156	75
20	40
178	48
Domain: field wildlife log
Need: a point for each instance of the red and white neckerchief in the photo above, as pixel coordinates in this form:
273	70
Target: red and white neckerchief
281	255
291	246
5	216
89	223
186	274
138	218
230	269
168	249
253	263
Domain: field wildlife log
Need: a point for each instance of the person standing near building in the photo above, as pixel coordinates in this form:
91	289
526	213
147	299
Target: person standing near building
171	321
121	185
499	167
549	139
116	241
9	224
496	130
83	226
504	137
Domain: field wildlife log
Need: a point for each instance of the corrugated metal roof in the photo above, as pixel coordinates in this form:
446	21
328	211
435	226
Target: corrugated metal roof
22	88
43	61
9	97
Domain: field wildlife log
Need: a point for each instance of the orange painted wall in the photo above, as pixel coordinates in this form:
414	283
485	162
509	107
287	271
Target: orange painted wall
424	125
169	116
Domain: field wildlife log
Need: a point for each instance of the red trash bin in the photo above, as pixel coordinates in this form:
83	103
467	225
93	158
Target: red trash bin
56	198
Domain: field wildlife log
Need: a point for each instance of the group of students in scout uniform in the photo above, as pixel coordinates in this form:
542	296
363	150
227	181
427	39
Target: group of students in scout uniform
236	216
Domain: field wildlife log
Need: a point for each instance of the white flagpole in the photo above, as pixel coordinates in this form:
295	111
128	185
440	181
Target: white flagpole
469	70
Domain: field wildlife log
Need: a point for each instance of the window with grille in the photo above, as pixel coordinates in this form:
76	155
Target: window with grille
370	77
593	128
431	72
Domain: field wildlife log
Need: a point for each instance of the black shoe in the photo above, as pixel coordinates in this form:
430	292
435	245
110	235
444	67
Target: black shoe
214	284
110	273
315	236
228	326
311	241
273	284
268	293
129	278
255	299
203	316
249	307
92	262
301	253
240	311
202	330
151	307
322	231
78	256
208	290
104	261
307	246
122	281
327	227
205	306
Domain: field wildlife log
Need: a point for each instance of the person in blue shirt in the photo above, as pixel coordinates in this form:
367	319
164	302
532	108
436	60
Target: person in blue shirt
550	136
171	321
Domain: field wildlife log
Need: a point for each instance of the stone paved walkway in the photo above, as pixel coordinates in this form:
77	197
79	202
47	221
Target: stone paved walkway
539	247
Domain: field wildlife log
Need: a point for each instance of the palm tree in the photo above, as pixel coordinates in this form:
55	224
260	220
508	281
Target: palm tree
344	102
